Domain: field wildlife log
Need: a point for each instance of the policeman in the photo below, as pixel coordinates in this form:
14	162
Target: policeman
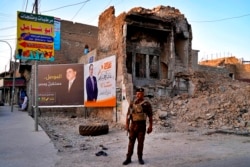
137	114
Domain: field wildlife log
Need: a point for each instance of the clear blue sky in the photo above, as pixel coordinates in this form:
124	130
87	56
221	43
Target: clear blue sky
221	28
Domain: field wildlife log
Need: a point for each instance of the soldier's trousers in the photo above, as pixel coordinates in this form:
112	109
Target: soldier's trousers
136	131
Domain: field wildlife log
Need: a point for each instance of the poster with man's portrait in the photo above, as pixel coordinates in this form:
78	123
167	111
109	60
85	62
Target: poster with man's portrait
60	84
100	83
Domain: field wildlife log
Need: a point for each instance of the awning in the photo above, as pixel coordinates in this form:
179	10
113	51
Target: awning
8	82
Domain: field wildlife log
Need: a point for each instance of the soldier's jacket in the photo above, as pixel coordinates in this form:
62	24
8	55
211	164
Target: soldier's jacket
140	110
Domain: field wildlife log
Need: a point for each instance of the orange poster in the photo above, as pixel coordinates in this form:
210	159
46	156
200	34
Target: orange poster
100	83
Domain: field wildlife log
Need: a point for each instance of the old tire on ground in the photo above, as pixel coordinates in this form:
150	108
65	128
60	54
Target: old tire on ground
93	130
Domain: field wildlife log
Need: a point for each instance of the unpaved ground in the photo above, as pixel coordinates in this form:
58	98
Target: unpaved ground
219	107
163	148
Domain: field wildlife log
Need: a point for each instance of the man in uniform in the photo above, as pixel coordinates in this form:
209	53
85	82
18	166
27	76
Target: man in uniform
137	114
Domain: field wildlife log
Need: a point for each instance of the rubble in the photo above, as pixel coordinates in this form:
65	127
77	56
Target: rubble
218	105
218	102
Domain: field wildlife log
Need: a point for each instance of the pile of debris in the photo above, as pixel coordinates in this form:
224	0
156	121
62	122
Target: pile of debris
218	103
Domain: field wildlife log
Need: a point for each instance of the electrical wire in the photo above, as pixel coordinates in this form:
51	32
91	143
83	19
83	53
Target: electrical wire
85	1
33	8
218	20
79	10
65	6
92	19
27	1
1	36
9	39
6	28
4	15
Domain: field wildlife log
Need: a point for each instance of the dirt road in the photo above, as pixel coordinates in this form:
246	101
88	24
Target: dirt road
162	149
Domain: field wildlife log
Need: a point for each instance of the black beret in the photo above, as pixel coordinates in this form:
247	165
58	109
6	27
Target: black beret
139	90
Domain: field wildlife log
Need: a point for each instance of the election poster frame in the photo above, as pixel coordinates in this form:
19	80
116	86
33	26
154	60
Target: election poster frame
105	72
53	85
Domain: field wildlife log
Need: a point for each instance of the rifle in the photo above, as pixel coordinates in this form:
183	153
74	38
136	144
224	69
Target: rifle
129	117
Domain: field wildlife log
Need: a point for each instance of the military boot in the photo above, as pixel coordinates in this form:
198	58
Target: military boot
127	161
141	161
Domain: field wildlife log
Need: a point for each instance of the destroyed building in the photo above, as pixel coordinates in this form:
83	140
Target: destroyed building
153	49
151	46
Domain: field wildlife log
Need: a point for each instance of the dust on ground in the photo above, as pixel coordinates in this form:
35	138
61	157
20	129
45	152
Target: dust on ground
211	125
162	147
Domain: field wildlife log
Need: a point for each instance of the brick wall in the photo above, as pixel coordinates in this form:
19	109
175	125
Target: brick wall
74	37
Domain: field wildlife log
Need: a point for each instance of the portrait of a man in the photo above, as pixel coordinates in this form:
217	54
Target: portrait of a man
73	87
91	85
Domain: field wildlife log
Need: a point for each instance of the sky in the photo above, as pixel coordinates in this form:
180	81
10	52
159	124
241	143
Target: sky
220	28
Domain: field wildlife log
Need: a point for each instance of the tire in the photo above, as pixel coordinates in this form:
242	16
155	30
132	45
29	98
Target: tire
93	130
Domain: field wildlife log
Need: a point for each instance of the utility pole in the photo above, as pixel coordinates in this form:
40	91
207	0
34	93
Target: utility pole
36	78
13	85
4	85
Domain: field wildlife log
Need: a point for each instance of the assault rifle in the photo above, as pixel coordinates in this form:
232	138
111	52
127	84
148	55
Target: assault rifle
129	118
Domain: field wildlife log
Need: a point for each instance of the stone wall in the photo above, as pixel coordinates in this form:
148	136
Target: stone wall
233	65
111	42
210	69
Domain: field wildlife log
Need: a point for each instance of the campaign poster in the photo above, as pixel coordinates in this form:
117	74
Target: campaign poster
100	83
60	84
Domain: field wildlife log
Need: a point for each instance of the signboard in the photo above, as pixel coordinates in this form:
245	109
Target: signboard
8	82
57	33
35	37
54	87
100	83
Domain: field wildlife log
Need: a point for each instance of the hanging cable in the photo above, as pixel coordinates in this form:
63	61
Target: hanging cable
65	6
229	18
26	5
79	10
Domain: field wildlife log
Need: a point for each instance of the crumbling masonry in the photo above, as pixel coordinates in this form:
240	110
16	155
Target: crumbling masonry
151	47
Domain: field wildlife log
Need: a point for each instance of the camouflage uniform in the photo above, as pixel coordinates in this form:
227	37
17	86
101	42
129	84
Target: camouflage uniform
137	128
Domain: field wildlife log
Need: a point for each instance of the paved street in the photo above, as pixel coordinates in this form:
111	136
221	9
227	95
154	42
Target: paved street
20	144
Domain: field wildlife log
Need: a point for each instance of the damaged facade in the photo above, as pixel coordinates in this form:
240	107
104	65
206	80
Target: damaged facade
151	48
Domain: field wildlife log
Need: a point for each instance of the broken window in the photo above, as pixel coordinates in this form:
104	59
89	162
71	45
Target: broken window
146	66
153	66
140	65
129	62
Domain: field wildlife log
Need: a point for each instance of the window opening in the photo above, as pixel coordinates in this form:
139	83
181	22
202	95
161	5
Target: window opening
129	62
140	65
154	66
